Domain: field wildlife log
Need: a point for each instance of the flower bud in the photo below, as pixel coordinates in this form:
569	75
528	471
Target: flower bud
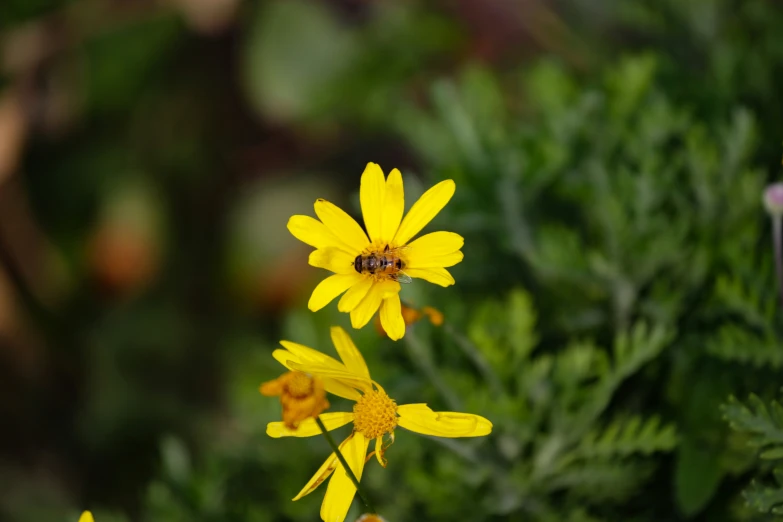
773	199
370	517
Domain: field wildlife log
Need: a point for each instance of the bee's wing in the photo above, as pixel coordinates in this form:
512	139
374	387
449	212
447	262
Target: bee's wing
402	277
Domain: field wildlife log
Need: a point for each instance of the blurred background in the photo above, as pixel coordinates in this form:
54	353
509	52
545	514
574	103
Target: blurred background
617	290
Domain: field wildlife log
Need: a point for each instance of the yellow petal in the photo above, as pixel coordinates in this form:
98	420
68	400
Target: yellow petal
289	360
421	419
322	474
334	259
355	294
364	311
342	225
327	372
438	276
393	206
350	355
86	517
422	212
428	246
391	317
434	261
306	355
371	196
311	231
340	492
308	427
341	390
331	287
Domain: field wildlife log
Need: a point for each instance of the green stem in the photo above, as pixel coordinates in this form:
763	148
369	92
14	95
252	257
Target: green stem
348	470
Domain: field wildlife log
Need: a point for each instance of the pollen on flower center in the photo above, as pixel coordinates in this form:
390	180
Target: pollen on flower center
375	414
300	385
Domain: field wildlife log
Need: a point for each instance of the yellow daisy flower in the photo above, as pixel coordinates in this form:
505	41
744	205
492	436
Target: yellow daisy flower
374	416
86	517
340	243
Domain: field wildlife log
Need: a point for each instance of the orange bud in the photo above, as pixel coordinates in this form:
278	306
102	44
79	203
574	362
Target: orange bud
370	517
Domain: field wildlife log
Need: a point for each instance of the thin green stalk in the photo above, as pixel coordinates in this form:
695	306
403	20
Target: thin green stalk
420	354
777	242
348	470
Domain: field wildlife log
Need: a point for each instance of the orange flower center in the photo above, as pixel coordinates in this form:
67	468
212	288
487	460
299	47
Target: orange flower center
299	385
375	414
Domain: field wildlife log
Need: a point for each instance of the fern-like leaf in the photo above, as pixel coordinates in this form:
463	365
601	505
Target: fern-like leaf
624	437
764	498
764	425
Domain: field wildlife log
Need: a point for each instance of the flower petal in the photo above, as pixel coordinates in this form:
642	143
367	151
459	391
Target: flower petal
340	492
331	287
333	386
343	376
311	231
371	196
436	244
391	317
322	474
364	311
342	225
308	427
340	389
438	276
393	206
86	517
422	212
355	294
305	355
421	419
334	259
435	261
350	355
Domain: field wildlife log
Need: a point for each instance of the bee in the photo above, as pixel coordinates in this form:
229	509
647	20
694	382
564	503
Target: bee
384	263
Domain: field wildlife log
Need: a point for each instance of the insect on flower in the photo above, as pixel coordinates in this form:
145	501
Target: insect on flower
369	267
375	416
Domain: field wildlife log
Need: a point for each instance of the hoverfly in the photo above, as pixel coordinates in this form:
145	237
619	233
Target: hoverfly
386	263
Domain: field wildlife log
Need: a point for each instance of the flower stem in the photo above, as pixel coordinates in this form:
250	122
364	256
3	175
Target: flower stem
348	470
777	242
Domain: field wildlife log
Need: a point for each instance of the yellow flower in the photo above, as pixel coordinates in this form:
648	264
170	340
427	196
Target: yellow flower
339	240
301	395
86	517
374	416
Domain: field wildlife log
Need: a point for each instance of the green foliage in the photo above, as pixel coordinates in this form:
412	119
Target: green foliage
557	439
763	427
763	424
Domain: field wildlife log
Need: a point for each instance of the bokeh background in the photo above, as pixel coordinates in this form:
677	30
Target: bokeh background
617	288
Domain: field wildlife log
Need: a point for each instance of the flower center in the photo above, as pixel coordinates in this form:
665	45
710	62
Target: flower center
299	385
375	414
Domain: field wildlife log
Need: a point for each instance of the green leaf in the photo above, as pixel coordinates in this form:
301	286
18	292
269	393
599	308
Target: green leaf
697	475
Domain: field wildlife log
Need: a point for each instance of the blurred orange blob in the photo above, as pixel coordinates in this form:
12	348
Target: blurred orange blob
207	16
301	395
411	315
370	517
122	259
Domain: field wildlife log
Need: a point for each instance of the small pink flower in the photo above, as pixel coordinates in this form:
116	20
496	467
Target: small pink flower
773	199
